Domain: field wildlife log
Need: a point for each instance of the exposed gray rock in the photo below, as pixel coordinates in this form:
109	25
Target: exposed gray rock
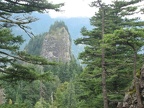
130	100
120	104
57	45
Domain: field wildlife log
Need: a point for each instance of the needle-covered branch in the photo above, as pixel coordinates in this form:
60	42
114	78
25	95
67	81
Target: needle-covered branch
16	12
26	6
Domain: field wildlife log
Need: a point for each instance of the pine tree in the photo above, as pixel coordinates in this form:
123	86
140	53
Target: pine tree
129	44
115	18
133	40
17	13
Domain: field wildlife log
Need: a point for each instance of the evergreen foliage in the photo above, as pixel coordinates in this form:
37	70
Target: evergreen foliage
57	25
34	46
118	57
9	49
50	90
67	85
17	13
65	71
26	6
49	81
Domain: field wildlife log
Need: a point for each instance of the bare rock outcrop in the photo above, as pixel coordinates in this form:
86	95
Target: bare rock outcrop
57	45
130	100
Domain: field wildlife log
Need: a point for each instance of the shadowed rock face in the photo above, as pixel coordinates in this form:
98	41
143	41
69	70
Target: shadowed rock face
130	100
57	45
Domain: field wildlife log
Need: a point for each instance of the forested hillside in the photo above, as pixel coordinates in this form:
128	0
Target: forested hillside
34	46
57	43
47	75
112	55
60	84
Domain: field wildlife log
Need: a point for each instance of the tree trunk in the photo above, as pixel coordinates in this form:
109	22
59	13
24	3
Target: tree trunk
104	89
137	84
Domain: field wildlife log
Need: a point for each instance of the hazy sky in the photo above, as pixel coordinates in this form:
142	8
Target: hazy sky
74	8
77	8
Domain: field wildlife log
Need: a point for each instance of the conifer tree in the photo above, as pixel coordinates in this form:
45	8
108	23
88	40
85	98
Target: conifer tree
17	13
104	89
133	40
115	18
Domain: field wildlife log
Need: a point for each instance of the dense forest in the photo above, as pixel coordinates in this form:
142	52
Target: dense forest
111	74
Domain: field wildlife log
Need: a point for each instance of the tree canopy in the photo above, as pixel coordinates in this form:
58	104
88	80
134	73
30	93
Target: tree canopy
118	52
17	13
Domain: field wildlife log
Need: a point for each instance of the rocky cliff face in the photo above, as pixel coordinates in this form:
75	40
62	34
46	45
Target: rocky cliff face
130	100
57	45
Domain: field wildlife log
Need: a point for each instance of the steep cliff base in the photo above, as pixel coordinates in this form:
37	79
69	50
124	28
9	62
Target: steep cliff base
130	99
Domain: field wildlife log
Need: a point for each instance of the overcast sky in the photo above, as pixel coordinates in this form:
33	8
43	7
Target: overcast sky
74	8
77	8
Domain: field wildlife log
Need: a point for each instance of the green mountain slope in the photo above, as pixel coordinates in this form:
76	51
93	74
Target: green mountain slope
45	21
